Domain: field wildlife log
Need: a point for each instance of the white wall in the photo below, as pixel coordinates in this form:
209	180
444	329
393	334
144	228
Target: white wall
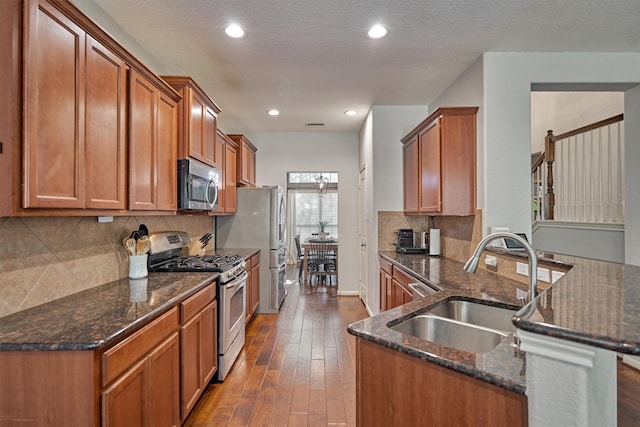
632	175
98	15
279	153
507	100
565	111
381	151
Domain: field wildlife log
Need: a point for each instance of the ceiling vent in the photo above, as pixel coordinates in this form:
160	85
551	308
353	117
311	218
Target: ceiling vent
314	125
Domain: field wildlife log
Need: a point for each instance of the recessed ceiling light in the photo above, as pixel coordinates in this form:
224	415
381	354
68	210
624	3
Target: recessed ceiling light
273	112
235	31
350	113
377	31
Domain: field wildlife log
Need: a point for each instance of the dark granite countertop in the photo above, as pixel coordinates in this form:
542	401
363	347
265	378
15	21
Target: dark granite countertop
502	366
595	303
98	316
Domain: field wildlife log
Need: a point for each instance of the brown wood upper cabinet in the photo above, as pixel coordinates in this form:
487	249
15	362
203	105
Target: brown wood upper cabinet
89	108
152	147
439	159
75	112
227	149
197	122
246	161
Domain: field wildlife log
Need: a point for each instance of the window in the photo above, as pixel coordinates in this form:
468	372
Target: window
311	207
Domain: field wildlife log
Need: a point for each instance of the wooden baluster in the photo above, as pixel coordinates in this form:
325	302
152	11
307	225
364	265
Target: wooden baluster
549	157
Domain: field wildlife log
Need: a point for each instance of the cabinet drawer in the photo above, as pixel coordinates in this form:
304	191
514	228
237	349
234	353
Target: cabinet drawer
403	278
123	355
385	265
195	303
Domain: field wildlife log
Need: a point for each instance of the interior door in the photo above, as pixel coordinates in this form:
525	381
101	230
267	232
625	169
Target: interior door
362	232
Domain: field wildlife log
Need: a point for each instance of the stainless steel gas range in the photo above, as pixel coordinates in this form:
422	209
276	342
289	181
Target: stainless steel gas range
168	254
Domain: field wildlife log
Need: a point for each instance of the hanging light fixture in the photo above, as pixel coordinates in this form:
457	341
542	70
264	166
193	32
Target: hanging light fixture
321	185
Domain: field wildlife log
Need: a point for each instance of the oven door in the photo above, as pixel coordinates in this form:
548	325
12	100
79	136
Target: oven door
232	310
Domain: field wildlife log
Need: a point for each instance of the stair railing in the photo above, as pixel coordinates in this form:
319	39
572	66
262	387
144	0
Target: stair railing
579	177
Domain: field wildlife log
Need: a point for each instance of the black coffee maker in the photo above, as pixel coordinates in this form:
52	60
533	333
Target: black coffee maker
406	242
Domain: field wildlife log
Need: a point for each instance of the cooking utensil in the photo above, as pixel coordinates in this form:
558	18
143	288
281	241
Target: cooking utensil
130	245
135	234
143	245
143	230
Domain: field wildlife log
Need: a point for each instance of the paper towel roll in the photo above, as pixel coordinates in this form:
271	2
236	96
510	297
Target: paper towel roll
434	242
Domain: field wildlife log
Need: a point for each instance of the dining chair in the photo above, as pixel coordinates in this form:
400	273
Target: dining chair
300	257
321	260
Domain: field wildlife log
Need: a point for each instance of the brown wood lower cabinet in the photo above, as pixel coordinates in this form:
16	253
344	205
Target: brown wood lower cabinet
140	380
253	287
395	389
199	345
394	286
147	394
141	377
386	288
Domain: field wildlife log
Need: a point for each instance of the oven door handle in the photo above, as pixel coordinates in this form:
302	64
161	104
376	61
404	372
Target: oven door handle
237	281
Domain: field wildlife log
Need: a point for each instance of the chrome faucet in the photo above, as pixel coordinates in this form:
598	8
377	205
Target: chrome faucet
472	264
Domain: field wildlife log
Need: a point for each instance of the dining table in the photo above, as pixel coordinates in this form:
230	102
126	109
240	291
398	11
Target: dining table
307	245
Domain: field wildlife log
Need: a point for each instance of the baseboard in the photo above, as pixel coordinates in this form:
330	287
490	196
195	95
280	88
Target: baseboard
632	361
348	293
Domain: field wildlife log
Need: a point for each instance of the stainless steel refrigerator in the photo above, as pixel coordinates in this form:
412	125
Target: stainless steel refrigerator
260	223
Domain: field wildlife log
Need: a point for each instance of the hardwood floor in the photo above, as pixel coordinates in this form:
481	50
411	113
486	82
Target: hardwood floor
297	368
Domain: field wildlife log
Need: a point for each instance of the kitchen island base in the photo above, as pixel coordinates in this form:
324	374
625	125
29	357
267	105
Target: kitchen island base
396	389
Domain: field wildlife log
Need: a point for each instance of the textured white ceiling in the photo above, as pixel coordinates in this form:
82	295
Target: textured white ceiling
312	60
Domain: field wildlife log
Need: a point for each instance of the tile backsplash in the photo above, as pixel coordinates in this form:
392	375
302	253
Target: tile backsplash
458	234
45	258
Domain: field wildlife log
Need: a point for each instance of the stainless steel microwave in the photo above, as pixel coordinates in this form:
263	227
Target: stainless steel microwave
198	185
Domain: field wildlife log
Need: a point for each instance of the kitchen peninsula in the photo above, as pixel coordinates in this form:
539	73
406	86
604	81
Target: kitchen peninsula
596	304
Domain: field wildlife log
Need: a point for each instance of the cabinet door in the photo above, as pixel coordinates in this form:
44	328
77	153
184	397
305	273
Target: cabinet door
209	342
167	149
430	169
125	403
251	165
142	143
220	150
386	291
209	138
196	126
383	293
54	109
411	176
230	178
190	351
105	149
245	176
397	293
254	288
388	284
164	383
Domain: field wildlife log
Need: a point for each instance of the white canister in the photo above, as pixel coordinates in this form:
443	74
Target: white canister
434	242
138	266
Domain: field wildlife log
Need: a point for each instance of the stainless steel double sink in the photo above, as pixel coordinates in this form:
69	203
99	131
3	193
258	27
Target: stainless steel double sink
473	326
